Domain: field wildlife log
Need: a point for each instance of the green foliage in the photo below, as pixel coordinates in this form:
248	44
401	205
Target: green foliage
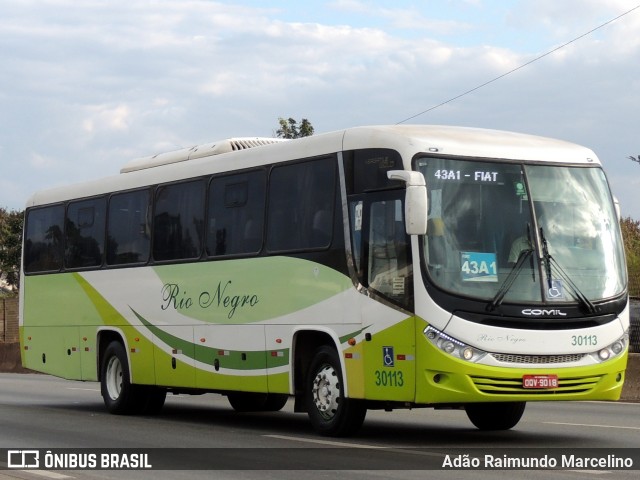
290	129
11	223
631	236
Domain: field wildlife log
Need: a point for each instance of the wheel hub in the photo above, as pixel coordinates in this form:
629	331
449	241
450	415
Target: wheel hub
114	378
326	391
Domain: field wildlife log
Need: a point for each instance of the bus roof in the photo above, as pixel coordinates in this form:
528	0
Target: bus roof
472	142
198	151
241	153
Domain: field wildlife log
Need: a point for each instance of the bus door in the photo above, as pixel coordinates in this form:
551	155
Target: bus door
382	258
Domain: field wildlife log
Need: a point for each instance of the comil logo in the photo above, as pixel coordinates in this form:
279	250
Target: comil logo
23	459
538	312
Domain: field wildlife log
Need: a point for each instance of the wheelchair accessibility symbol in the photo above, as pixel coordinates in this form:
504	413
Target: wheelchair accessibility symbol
388	359
556	290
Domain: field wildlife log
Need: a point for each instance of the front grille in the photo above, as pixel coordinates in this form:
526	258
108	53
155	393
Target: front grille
513	386
537	359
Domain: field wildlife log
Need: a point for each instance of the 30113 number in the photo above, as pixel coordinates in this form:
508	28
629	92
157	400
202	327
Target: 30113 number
389	378
584	340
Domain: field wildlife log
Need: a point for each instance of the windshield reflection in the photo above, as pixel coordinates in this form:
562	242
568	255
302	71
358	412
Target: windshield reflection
484	215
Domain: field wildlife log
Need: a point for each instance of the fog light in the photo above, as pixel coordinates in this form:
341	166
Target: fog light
468	353
604	354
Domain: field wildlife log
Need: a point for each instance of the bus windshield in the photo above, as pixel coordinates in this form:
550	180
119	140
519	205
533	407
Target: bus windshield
508	232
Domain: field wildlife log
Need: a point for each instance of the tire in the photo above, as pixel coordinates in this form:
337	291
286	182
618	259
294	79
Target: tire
257	402
275	402
119	395
495	416
330	412
154	398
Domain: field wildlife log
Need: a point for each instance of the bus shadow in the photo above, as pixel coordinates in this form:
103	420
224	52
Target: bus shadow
424	432
427	431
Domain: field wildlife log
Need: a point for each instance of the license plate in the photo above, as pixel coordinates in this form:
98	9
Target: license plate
540	381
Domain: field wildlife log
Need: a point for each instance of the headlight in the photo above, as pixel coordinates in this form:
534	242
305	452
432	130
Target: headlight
613	350
468	353
452	346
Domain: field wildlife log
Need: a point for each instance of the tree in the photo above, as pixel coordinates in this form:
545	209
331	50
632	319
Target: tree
11	223
631	237
290	129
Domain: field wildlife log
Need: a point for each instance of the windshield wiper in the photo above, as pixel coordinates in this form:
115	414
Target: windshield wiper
513	274
553	267
511	278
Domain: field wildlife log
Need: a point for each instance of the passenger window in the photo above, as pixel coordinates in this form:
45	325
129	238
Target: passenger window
84	233
301	206
178	221
43	239
236	214
129	232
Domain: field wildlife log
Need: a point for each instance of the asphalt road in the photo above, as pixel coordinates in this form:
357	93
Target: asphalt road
42	412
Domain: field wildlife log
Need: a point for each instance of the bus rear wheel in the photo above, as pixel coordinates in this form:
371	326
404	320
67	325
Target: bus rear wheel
495	416
330	412
154	398
120	396
117	391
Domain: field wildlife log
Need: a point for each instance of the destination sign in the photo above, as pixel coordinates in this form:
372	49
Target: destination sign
483	176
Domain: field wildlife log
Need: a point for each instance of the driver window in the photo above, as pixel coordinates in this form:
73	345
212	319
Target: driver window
389	268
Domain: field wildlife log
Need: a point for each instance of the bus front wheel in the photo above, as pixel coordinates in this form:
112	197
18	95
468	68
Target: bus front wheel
495	416
330	412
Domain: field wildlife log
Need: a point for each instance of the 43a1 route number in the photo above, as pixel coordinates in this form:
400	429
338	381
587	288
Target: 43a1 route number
472	267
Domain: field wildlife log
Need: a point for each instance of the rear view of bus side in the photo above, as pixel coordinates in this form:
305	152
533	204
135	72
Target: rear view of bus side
371	268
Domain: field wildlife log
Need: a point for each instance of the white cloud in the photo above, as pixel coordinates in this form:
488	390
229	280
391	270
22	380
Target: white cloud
109	81
42	162
403	18
104	117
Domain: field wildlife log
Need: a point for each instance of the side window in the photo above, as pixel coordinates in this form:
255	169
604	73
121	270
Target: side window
236	214
370	167
84	233
355	214
128	229
178	221
301	204
43	239
389	270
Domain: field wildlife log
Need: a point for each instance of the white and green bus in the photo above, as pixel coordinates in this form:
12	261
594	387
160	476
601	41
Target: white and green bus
371	268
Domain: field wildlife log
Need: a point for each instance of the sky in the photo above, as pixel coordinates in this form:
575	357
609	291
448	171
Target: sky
87	86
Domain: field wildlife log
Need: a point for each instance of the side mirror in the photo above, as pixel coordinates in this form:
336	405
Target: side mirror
415	202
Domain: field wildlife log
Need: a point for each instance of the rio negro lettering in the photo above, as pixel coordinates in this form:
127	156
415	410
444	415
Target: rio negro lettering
221	297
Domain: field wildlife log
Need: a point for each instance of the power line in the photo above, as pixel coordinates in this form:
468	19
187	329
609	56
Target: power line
519	67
